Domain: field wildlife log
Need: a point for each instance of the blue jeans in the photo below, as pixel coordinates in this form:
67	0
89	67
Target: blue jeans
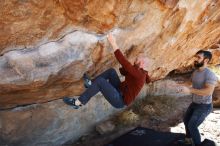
108	84
195	115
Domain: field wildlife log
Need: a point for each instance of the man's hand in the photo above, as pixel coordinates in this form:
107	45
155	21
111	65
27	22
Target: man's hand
206	91
112	41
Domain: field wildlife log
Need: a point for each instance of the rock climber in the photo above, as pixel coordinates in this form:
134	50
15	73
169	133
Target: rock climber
117	93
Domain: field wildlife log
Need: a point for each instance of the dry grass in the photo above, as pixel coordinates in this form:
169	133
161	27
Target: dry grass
150	107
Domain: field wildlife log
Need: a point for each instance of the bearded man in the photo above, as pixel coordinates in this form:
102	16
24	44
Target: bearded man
203	83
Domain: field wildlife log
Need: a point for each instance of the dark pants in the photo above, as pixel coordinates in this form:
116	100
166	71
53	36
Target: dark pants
195	115
108	84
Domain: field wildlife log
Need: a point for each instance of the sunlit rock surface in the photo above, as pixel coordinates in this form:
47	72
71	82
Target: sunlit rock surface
47	46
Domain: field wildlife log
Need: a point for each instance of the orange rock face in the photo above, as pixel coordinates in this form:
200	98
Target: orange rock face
216	97
27	23
46	46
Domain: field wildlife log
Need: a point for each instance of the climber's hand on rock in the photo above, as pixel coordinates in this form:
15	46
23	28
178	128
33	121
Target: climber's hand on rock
112	41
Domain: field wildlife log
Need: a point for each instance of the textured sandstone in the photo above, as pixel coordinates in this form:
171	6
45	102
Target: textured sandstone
46	46
51	123
216	97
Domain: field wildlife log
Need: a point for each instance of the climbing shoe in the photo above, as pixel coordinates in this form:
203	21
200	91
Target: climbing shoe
71	102
87	80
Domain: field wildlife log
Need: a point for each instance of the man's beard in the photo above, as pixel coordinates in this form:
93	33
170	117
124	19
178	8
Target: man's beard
198	64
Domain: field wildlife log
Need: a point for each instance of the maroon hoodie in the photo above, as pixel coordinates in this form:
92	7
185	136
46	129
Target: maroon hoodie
135	78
